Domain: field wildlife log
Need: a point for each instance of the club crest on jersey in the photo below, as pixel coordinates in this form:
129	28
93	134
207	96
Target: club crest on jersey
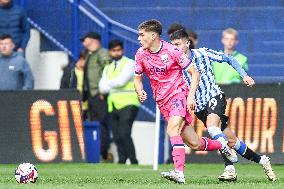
165	58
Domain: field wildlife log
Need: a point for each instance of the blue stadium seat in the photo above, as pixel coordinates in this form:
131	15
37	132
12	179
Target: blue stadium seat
260	25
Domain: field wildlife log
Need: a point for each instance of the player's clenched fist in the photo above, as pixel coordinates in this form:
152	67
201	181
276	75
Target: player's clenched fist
142	95
248	81
191	103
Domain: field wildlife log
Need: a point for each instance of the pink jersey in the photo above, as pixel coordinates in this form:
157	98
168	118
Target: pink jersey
164	70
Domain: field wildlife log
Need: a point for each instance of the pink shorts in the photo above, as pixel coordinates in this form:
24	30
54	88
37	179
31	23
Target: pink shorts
176	106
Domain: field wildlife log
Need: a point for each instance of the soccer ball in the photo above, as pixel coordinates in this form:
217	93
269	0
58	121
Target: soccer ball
25	173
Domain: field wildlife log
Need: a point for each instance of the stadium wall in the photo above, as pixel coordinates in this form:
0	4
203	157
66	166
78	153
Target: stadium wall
257	117
41	126
45	126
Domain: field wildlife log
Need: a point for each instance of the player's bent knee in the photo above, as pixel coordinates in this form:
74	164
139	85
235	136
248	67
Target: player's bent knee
173	129
195	145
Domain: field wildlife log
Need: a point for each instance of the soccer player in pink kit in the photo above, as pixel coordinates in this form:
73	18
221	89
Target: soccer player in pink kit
163	64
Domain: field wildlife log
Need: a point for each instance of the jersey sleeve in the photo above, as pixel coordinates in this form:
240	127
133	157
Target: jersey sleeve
182	59
221	57
138	65
215	56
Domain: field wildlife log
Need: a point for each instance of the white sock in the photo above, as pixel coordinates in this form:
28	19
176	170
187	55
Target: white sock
214	131
230	167
181	173
263	160
237	145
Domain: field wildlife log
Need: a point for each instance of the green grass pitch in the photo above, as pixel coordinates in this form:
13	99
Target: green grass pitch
92	176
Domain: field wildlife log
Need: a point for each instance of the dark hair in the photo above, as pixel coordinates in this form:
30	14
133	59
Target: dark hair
83	54
182	34
115	43
192	34
179	34
5	36
175	27
151	25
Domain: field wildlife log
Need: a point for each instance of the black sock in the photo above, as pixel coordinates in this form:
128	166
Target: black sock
251	155
226	160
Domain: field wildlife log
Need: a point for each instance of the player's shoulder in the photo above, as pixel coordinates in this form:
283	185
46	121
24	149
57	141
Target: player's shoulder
140	52
206	49
212	51
171	49
202	50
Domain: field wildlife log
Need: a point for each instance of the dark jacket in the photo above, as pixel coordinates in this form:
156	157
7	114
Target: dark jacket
13	21
69	79
15	73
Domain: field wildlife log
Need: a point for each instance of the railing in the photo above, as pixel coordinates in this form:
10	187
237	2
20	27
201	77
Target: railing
65	21
113	29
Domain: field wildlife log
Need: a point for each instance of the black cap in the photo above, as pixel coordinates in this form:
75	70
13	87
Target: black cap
93	35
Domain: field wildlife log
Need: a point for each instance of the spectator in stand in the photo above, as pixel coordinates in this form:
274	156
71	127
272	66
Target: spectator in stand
224	73
117	81
97	59
15	71
74	77
13	21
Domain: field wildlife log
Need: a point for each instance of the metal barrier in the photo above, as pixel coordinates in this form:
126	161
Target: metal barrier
64	22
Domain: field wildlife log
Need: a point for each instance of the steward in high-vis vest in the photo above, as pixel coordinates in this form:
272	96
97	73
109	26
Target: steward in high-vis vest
117	82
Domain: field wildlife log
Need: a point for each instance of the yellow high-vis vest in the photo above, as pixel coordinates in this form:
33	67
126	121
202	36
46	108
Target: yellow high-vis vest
123	96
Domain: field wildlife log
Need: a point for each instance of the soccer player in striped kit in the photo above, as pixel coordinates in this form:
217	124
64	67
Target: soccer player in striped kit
211	102
163	64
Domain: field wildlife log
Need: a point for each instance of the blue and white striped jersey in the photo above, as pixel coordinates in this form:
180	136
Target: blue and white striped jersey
202	58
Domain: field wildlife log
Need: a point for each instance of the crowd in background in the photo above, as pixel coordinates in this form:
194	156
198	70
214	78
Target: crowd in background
104	77
105	81
14	36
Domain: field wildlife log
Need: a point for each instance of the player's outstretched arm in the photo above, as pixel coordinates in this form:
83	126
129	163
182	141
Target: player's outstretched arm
221	57
246	79
191	104
142	95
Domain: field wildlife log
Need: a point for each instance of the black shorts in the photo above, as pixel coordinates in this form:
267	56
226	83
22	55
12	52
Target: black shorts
216	105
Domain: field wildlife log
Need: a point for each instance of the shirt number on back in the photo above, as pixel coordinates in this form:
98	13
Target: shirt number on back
213	103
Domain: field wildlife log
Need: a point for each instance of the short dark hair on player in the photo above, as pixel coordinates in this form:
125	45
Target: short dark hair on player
175	27
179	34
152	25
5	36
192	34
115	43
